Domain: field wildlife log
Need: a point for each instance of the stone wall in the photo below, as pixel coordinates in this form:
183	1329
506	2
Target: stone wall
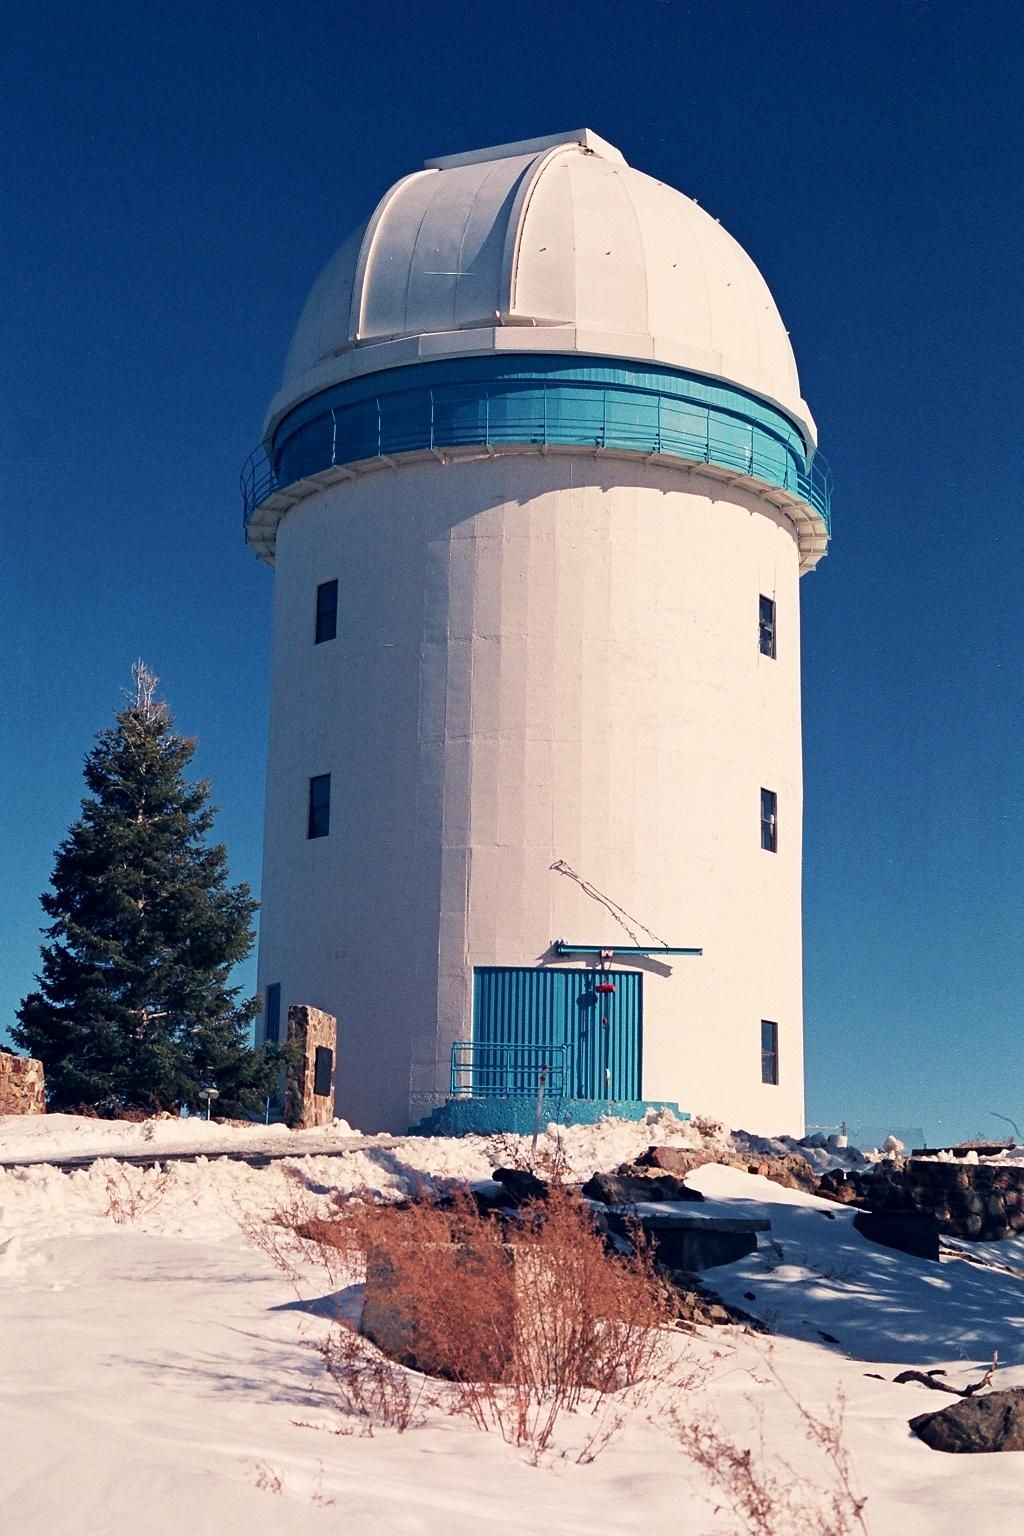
983	1201
309	1094
980	1201
21	1085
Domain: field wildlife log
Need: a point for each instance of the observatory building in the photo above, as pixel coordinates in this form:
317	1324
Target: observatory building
538	487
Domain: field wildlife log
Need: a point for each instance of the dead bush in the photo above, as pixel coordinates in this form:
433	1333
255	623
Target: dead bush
547	1159
767	1495
371	1387
516	1322
132	1191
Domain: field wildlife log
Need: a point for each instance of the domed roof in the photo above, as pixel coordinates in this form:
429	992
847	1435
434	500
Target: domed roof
553	245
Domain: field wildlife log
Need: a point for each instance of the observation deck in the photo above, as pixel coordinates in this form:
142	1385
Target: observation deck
488	406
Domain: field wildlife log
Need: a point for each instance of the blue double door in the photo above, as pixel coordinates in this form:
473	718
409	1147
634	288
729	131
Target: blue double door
587	1039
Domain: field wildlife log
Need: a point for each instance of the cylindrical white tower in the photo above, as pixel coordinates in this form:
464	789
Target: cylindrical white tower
538	488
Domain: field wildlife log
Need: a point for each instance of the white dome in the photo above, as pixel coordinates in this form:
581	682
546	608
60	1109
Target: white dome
552	245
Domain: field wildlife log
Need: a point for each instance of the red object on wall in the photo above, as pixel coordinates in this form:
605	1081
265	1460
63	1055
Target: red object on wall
605	986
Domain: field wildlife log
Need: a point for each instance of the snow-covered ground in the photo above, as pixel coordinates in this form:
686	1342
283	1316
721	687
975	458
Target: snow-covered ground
65	1136
157	1376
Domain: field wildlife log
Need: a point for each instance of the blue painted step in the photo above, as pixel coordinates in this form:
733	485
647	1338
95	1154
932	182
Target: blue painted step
486	1117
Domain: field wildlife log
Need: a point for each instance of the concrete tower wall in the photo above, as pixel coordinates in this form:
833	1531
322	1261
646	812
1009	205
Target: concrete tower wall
537	659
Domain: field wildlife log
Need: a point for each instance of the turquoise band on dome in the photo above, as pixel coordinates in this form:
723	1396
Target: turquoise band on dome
556	401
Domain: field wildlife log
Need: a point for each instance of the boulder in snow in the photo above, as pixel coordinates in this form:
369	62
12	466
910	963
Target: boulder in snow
994	1422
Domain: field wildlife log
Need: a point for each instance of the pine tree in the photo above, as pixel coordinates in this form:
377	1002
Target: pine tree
135	1007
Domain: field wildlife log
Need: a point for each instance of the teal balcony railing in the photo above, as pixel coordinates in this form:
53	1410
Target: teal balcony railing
741	435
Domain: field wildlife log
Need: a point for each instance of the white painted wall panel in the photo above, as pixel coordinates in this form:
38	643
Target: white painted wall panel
538	658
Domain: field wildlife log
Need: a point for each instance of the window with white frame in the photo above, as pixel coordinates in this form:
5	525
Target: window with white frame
769	821
766	625
326	626
318	822
769	1051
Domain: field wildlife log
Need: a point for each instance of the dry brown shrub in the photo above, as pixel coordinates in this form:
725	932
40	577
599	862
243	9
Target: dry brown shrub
131	1191
517	1321
306	1232
549	1159
266	1479
766	1494
369	1386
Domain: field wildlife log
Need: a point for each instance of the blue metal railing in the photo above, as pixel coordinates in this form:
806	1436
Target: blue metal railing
482	1071
581	415
257	482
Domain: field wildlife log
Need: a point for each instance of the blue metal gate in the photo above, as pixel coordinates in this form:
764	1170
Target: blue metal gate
527	1019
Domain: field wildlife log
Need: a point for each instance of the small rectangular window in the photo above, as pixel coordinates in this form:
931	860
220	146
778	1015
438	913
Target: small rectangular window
272	1014
319	822
769	821
766	625
769	1051
326	612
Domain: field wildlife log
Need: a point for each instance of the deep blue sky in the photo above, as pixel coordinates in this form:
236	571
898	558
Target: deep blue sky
173	177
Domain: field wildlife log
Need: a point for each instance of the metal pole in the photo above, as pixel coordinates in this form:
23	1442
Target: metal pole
538	1111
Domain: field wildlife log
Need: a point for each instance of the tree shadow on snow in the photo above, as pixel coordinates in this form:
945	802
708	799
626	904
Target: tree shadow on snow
274	1373
412	1180
815	1274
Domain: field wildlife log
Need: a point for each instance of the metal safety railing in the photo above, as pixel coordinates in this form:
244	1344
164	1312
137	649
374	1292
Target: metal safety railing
591	416
481	1071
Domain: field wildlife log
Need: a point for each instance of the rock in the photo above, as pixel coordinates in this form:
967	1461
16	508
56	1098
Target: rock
487	1201
633	1185
994	1422
845	1189
677	1160
520	1185
697	1305
791	1171
913	1234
